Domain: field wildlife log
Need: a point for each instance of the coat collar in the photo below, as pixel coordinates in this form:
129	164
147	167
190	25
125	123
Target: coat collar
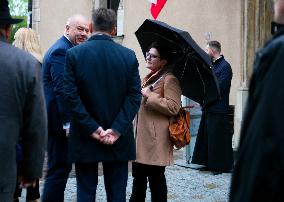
100	37
280	32
2	38
67	39
153	77
218	60
64	38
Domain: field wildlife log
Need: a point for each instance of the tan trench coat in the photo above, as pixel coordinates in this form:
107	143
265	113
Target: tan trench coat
153	145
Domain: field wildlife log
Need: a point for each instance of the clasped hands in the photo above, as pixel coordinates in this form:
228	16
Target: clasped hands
107	137
24	182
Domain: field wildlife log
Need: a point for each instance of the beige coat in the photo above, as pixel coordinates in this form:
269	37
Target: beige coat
153	145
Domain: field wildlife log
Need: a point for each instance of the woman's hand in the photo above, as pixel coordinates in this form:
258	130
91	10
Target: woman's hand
145	92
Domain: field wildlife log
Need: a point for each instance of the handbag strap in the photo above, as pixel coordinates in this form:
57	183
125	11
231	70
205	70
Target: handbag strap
162	79
187	107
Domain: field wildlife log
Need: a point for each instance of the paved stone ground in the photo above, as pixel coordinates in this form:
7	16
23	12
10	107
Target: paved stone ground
184	185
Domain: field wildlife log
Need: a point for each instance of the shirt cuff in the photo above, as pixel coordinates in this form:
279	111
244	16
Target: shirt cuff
66	125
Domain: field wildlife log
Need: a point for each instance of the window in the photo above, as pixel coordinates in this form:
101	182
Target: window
113	4
30	9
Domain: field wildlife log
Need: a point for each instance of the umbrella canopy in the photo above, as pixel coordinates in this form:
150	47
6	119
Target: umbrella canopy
191	63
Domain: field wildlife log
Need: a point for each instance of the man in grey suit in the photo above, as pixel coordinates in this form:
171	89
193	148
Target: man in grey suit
22	112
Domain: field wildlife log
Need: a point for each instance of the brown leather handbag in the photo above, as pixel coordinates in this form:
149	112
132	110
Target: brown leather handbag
178	124
179	128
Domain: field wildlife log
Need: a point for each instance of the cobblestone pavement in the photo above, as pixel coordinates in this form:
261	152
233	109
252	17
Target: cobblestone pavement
184	185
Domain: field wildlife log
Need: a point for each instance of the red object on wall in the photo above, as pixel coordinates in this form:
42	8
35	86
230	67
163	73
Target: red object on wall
156	8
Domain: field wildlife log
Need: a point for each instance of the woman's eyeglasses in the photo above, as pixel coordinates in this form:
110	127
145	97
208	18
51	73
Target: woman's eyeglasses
150	55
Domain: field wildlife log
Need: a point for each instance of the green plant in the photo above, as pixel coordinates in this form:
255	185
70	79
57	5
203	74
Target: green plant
18	9
15	27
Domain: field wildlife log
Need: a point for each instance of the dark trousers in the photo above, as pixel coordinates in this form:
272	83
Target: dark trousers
157	182
58	169
115	179
32	192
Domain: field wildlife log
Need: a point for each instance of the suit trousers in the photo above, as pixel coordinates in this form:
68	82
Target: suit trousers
58	169
32	193
115	179
157	182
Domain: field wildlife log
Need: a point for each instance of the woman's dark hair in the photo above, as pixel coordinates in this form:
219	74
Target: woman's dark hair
163	51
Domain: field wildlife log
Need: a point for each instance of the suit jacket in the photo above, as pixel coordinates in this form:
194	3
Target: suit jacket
223	71
22	116
102	87
259	170
53	69
153	139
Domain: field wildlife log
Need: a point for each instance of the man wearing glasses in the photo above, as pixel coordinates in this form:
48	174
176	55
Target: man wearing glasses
76	32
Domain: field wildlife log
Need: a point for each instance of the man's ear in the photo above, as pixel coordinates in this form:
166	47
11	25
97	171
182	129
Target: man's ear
113	31
66	31
91	27
164	62
7	32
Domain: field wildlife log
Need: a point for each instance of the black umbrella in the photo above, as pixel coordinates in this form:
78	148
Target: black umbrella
192	64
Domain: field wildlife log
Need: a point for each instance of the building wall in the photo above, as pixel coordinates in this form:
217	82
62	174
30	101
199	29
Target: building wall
53	16
222	18
241	26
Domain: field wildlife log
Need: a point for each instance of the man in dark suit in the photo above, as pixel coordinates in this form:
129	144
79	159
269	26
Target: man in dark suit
102	87
22	112
213	147
259	170
76	32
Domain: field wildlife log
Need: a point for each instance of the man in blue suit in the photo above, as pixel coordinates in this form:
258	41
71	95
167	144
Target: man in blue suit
102	87
76	32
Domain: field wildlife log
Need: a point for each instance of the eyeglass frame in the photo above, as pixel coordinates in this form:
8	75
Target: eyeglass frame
150	55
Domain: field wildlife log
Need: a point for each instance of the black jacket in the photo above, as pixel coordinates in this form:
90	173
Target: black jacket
102	88
223	72
259	171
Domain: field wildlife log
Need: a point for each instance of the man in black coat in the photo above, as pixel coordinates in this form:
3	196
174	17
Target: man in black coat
76	32
103	93
22	112
213	147
259	170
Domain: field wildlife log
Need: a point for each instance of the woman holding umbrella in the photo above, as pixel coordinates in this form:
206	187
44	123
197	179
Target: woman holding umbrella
161	100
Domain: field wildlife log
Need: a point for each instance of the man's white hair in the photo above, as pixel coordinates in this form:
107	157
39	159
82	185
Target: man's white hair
72	19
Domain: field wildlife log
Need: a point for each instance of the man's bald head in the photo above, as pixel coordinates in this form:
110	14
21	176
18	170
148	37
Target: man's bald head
77	29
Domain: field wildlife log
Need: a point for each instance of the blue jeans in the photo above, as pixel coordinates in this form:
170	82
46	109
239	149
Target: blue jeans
115	179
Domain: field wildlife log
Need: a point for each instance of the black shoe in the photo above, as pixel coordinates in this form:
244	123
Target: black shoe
217	172
203	169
